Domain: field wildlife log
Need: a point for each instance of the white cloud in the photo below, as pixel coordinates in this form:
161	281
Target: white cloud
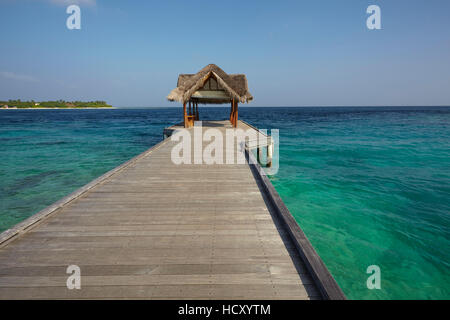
78	2
18	77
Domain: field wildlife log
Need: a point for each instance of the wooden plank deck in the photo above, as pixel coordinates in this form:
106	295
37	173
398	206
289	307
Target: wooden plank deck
151	229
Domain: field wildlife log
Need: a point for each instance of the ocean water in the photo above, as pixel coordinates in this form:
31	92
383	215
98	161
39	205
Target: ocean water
369	186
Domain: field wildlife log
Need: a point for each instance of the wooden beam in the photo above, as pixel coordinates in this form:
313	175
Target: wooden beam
235	113
231	110
184	115
211	94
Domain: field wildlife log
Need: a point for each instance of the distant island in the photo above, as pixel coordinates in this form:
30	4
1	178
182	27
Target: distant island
59	104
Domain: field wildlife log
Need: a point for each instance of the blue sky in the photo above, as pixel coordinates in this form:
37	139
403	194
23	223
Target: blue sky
294	53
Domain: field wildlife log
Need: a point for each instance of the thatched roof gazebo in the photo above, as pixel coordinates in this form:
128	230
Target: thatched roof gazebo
211	85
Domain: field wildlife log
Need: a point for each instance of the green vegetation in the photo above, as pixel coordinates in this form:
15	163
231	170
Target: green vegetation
54	104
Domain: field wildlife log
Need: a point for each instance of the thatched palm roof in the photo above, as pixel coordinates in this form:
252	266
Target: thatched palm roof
234	85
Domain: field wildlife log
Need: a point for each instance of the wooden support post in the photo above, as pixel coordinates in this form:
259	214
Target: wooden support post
234	110
184	115
231	111
235	114
190	111
232	117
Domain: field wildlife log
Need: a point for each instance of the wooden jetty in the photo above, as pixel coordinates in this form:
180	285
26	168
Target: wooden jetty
153	229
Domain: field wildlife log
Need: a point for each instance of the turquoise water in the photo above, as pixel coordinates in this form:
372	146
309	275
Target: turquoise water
369	186
46	154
